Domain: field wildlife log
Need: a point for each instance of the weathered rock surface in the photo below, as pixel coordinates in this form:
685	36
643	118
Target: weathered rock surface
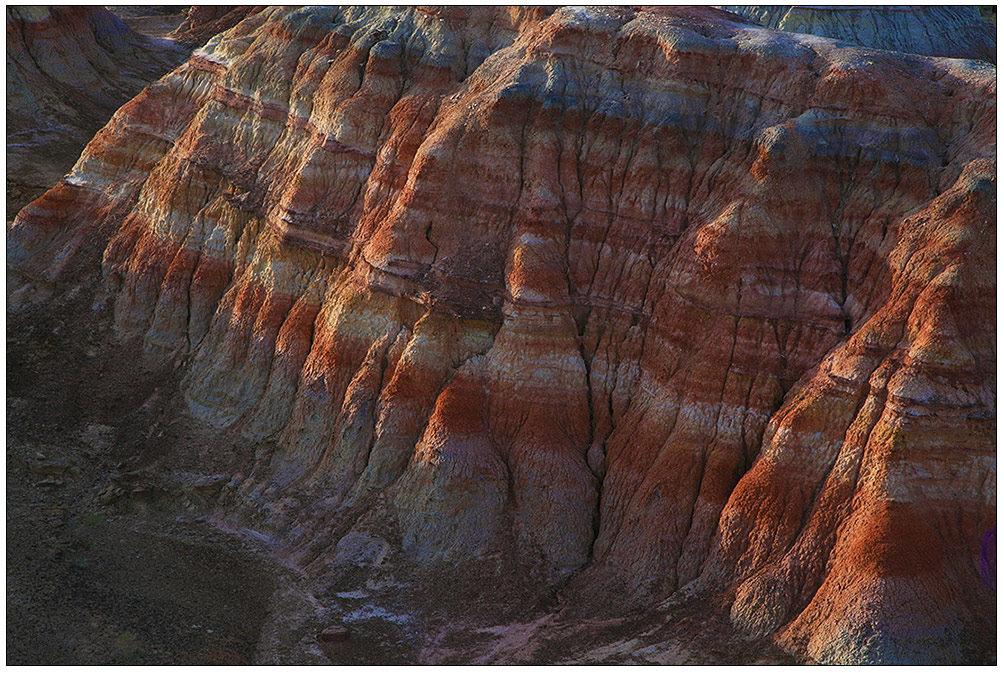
68	70
656	297
204	21
956	32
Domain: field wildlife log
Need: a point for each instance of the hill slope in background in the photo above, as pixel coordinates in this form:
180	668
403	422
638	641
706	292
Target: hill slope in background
68	70
956	32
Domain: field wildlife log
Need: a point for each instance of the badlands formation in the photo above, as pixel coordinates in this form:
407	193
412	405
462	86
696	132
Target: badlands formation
68	70
202	22
957	32
638	306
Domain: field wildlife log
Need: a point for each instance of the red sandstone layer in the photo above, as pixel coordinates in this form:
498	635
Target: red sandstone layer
655	295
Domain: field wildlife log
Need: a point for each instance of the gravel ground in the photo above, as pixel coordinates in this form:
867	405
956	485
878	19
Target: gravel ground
89	580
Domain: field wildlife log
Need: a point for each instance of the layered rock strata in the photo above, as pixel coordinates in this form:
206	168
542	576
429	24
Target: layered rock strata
956	32
656	295
68	70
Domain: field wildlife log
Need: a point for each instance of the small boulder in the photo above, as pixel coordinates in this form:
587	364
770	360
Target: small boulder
333	634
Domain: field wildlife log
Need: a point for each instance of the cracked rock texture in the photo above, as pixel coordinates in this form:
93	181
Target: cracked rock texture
956	32
68	70
658	298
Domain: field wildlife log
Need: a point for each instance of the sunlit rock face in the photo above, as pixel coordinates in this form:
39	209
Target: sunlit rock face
68	70
956	32
660	297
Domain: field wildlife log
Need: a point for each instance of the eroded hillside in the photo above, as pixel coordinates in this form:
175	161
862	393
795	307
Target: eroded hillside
655	303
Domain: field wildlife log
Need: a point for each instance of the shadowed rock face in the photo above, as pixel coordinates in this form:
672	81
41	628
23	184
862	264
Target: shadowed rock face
68	70
658	296
956	32
203	21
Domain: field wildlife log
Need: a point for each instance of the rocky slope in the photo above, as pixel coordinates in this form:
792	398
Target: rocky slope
658	302
956	32
68	70
204	21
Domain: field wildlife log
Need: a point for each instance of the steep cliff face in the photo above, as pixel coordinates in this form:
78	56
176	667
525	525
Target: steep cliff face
68	70
659	296
956	32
